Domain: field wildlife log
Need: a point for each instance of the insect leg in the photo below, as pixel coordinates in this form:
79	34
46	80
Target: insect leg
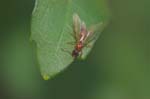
88	46
71	43
71	33
64	50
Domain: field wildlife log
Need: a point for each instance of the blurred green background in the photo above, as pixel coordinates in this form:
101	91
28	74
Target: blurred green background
117	68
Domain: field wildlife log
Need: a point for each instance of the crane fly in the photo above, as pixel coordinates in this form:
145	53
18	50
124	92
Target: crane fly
82	35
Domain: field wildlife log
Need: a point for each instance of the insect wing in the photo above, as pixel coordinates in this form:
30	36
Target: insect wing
93	33
83	32
76	26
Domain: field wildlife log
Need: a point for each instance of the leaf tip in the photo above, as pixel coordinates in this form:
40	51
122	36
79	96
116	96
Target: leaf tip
46	77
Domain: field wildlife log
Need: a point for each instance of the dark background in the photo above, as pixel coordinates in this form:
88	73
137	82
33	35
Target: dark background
117	68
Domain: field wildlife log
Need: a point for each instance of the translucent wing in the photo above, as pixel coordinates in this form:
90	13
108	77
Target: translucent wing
93	33
76	26
83	32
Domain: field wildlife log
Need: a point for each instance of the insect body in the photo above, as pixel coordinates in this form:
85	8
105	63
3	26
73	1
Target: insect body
82	36
79	41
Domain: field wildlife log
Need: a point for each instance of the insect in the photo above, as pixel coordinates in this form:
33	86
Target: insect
82	35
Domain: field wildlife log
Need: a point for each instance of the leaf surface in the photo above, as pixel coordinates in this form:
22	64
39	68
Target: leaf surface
51	27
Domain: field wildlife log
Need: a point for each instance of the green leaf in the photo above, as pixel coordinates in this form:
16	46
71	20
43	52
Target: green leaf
51	28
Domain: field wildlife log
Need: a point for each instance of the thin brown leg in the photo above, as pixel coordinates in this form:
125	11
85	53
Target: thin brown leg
71	43
64	50
88	46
